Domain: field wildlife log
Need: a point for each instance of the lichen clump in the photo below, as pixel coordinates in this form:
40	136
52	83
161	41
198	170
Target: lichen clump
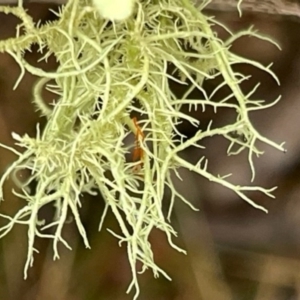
107	73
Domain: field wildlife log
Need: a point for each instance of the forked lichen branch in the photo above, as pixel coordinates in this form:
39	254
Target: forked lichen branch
104	69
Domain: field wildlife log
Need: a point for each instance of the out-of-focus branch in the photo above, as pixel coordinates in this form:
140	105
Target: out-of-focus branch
278	7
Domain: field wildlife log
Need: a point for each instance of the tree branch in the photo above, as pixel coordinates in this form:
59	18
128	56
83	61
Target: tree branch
278	7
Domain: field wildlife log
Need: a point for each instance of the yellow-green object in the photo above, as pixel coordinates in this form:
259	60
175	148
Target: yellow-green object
106	68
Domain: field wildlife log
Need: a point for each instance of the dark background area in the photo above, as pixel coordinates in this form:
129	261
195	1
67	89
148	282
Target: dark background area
234	251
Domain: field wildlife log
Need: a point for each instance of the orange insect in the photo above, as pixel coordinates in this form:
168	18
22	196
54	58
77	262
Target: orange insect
138	152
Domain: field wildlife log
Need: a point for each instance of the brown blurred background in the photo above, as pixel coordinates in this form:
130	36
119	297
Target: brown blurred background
234	251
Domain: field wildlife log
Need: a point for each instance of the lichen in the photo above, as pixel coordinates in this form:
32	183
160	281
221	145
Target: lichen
107	71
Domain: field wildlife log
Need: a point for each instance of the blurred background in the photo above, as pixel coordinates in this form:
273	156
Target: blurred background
234	251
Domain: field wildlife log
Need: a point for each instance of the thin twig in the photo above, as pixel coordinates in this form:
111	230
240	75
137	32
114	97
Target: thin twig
274	7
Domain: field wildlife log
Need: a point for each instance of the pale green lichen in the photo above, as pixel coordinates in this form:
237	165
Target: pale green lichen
104	68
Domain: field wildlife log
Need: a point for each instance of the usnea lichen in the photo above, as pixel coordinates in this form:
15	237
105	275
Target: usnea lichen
107	72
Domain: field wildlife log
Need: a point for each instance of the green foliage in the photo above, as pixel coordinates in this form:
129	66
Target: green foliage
104	69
